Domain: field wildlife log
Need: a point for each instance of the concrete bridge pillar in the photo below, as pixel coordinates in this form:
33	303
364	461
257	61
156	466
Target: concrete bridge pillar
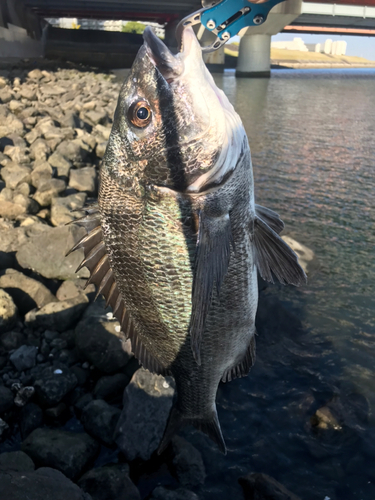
255	46
254	57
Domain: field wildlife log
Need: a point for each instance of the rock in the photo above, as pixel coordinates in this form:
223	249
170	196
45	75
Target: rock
187	463
61	209
41	173
11	124
31	417
8	312
6	400
68	290
84	179
349	411
35	74
16	461
65	451
161	493
6	96
53	384
147	403
23	188
24	357
72	150
45	483
99	340
10	210
305	255
58	316
12	340
28	93
26	292
99	420
100	149
47	190
45	253
4	430
14	174
97	116
61	164
111	386
17	154
27	203
258	486
111	482
23	395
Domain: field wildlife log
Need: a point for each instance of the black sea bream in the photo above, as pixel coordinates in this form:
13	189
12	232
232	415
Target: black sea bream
176	241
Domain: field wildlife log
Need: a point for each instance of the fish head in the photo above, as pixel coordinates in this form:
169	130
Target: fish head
173	127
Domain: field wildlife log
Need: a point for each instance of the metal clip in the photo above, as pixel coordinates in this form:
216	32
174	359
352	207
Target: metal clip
226	19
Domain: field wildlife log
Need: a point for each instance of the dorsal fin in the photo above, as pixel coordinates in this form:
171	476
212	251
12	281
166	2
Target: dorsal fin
97	262
242	368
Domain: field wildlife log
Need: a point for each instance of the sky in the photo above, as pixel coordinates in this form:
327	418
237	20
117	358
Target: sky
361	46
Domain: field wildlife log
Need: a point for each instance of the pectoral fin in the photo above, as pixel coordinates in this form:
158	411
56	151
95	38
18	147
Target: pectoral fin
273	256
211	265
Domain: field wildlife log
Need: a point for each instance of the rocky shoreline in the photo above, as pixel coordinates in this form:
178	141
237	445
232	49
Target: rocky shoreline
78	418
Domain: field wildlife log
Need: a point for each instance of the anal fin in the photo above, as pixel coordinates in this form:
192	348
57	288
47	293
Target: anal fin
242	368
209	426
97	262
211	265
273	256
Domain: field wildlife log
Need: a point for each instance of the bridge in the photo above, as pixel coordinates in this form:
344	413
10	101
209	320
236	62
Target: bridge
22	23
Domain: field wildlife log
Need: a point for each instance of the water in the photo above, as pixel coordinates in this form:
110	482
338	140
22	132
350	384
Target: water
311	134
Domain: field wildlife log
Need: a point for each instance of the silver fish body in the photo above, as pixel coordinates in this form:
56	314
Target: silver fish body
177	240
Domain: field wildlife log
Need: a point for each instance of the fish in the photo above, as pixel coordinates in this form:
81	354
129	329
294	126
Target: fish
176	239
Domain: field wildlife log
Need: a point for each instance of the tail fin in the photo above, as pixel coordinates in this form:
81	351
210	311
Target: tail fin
210	426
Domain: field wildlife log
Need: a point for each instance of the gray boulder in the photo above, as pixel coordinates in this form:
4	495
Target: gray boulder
187	463
11	210
11	124
45	483
61	209
257	486
39	149
45	253
65	451
14	174
42	172
16	461
31	417
8	312
84	179
53	384
161	493
100	341
47	190
147	403
99	420
72	151
10	341
6	399
60	315
111	386
111	482
26	292
24	357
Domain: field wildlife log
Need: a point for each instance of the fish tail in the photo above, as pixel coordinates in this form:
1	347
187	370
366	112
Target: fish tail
209	426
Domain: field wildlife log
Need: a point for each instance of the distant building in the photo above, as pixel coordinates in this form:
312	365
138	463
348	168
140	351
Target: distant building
296	44
329	47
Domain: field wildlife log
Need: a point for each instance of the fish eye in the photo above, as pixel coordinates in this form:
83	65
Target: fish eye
140	114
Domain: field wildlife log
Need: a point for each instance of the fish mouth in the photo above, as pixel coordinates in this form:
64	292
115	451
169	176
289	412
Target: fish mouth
170	66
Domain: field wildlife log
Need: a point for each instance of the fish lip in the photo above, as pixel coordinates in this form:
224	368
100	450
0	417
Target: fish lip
169	65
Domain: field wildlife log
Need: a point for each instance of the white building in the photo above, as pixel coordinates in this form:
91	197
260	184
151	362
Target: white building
296	44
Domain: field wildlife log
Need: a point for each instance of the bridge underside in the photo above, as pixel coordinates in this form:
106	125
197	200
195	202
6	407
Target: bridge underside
28	14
